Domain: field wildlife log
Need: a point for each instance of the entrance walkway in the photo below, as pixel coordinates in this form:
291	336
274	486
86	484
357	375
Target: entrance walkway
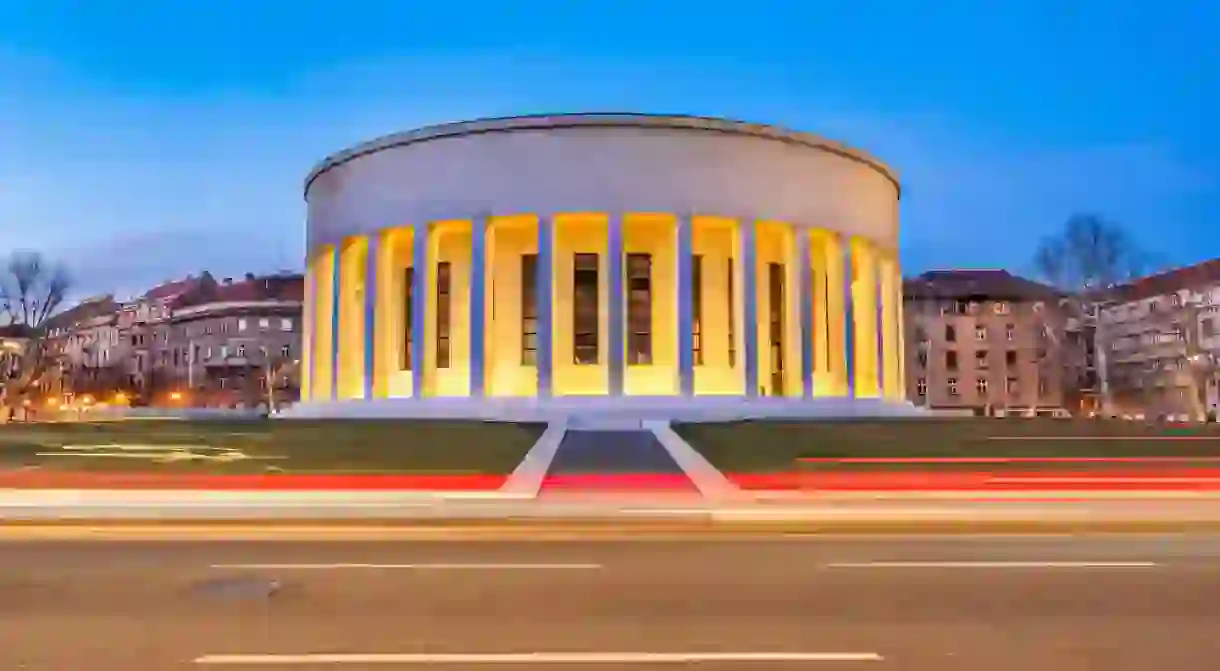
614	460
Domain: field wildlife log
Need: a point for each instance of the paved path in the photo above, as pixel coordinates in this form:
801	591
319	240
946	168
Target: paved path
923	603
593	460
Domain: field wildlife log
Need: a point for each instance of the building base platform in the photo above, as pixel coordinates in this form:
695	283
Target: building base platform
600	410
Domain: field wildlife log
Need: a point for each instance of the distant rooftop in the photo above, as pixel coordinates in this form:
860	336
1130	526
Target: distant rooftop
979	284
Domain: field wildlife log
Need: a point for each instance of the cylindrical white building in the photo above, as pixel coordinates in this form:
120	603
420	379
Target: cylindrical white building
601	255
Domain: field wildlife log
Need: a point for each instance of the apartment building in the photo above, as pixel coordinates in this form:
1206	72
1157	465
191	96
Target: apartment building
1161	339
986	342
74	340
229	344
143	325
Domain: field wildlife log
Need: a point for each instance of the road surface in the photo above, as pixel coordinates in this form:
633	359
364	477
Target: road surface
934	603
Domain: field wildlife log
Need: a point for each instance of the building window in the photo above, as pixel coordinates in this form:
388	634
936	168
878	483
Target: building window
922	358
1002	308
408	312
639	309
775	319
443	313
980	385
732	316
285	324
286	351
1010	358
950	333
696	309
1208	328
980	332
585	310
1010	332
921	387
264	323
951	360
1011	385
529	309
980	359
951	386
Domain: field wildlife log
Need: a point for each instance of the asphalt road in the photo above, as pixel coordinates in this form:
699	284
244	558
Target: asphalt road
935	603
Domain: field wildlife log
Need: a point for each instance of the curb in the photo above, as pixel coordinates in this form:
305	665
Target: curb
580	529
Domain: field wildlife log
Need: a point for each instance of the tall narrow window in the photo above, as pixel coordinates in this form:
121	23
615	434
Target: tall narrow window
585	310
732	316
443	298
408	311
529	309
639	309
696	309
775	310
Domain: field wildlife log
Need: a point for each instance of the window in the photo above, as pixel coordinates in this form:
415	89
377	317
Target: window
286	351
980	385
980	332
1010	332
1175	300
1002	308
951	360
408	312
529	309
775	318
696	309
1208	327
732	317
950	333
224	327
443	313
585	310
980	359
1010	358
922	358
921	386
285	324
241	350
951	386
639	309
264	323
1011	385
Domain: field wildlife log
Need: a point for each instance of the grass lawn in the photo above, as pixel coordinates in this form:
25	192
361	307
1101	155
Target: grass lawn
259	446
775	446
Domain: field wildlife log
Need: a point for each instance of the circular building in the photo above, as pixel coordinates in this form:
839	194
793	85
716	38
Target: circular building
583	260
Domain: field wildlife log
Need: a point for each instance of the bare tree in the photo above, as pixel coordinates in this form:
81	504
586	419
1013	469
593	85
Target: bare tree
279	372
31	291
1089	256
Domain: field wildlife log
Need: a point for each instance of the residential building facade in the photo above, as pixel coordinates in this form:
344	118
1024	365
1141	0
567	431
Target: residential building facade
1161	338
986	342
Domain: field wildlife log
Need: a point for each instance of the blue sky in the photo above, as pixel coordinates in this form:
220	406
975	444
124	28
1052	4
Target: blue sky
141	141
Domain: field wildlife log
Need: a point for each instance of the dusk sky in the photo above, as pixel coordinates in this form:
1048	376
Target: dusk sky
141	141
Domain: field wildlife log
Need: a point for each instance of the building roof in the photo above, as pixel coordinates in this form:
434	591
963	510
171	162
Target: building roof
978	285
1168	282
16	331
84	310
168	291
285	287
536	122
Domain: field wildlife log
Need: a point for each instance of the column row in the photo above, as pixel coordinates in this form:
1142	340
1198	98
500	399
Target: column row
518	306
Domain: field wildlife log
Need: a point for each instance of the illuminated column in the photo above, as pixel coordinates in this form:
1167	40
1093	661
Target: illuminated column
308	339
804	294
836	314
891	327
336	272
614	267
478	309
748	252
686	336
419	303
543	274
370	315
864	318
